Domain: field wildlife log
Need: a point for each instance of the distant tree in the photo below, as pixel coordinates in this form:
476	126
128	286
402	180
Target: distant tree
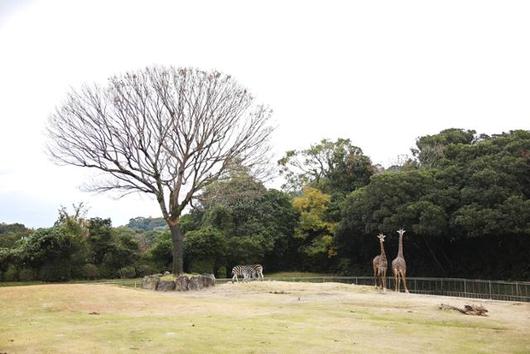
204	248
100	239
146	224
51	251
11	233
163	131
329	166
161	251
431	149
73	222
314	231
238	186
257	223
458	206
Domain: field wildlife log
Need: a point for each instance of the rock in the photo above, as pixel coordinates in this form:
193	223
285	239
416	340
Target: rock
181	283
150	282
165	285
207	280
467	310
195	283
167	273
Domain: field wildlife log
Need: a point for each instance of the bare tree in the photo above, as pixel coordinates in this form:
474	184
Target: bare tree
164	131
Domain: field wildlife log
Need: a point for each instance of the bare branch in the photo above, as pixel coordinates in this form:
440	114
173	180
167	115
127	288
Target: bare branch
165	131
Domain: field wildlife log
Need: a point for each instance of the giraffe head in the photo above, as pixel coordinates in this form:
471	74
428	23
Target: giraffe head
381	237
401	232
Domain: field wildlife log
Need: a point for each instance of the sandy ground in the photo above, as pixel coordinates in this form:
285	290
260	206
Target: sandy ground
256	317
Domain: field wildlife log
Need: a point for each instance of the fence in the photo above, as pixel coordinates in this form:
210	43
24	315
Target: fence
473	288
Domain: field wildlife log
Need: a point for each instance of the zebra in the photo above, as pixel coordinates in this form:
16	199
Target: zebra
257	271
247	272
244	271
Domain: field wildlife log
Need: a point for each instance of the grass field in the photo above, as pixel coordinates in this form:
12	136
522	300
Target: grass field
256	317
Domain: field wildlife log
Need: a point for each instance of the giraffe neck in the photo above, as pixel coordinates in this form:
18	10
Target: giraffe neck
400	249
382	249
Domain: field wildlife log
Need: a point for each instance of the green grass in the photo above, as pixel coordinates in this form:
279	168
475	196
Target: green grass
135	282
20	283
256	317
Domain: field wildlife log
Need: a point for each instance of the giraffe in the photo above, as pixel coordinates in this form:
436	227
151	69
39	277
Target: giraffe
380	265
399	266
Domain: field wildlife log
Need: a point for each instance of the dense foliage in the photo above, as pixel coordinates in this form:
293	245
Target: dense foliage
463	199
464	204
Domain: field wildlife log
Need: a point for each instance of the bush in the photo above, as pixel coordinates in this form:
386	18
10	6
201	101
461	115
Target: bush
90	271
26	274
202	266
145	269
160	253
59	270
106	272
221	272
127	272
11	274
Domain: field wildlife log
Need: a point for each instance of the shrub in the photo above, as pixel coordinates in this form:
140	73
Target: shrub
221	272
26	274
59	270
202	266
145	269
127	272
106	272
11	274
90	271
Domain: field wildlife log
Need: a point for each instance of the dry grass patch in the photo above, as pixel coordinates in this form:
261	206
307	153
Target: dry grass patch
258	317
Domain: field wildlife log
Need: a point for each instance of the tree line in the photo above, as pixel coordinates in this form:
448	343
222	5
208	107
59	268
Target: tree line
461	196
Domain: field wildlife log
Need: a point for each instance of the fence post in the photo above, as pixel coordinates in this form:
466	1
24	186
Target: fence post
490	287
465	287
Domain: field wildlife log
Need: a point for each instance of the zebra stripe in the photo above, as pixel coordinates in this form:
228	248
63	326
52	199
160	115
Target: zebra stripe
247	272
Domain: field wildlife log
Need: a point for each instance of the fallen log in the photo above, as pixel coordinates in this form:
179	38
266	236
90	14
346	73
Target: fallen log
475	310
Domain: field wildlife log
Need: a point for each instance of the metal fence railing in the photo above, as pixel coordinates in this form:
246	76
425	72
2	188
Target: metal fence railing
472	288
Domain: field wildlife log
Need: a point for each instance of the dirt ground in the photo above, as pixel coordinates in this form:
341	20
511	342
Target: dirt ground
256	317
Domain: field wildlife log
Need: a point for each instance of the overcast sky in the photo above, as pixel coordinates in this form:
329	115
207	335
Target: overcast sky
381	73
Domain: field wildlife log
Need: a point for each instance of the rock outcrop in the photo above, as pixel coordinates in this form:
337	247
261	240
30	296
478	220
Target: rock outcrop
207	280
165	285
181	283
151	281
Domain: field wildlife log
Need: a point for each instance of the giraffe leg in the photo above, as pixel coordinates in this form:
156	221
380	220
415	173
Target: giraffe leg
398	282
384	280
396	279
404	278
375	276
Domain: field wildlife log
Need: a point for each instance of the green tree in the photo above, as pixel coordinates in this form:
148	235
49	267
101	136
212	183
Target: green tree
314	231
11	233
431	149
204	249
459	205
257	224
50	251
329	166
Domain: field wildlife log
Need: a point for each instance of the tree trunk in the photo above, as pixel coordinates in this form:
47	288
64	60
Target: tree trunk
178	250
